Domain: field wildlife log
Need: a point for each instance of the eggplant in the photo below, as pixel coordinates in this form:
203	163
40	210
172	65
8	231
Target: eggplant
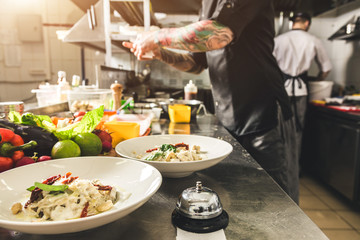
45	139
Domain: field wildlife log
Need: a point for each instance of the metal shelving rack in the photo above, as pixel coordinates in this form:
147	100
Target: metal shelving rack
93	30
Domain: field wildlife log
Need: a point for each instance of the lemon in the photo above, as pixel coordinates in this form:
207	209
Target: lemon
65	149
89	143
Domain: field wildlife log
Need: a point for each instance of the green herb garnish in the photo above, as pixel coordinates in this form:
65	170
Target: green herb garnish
48	188
30	189
154	156
167	147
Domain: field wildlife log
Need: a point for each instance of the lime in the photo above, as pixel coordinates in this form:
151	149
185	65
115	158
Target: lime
89	143
65	149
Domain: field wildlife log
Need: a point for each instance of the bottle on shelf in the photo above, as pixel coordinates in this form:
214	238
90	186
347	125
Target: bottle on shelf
63	86
75	81
190	91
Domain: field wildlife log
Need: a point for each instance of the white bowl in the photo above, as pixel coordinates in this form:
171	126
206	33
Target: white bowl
214	149
139	179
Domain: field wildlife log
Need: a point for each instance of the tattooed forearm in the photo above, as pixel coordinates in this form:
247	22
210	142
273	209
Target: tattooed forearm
183	62
201	36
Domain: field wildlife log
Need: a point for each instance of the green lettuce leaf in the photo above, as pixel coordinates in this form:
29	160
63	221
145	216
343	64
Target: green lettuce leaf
29	119
14	117
87	124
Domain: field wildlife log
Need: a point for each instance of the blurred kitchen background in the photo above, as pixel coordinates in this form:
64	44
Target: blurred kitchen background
32	50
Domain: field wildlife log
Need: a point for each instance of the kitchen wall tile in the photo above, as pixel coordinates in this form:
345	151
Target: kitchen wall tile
52	7
55	49
56	65
8	21
30	68
71	67
5	6
26	52
26	65
2	72
327	219
342	234
70	51
27	7
12	74
338	72
351	217
52	19
38	51
51	32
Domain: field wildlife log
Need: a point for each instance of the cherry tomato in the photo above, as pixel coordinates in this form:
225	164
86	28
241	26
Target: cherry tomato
78	114
78	119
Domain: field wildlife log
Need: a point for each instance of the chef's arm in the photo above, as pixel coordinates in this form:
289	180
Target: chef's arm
183	62
201	36
322	75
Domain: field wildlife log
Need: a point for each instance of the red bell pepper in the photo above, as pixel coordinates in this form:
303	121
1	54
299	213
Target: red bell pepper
11	146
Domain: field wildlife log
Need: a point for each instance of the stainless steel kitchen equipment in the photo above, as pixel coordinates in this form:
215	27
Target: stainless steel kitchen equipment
6	107
199	210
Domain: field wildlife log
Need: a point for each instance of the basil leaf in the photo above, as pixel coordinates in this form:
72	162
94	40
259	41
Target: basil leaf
154	156
30	189
166	147
51	188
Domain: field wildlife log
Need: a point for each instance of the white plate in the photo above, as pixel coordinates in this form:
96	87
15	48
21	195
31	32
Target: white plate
214	149
139	179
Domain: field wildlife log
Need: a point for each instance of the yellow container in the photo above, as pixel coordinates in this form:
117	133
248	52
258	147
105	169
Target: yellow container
179	128
179	113
121	131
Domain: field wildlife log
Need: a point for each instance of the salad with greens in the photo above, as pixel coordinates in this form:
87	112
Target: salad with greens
179	152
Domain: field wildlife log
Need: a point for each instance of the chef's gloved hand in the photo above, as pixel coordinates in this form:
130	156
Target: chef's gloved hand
144	47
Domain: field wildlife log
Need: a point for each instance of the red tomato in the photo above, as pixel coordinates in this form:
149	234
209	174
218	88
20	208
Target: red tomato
78	119
78	114
6	163
6	135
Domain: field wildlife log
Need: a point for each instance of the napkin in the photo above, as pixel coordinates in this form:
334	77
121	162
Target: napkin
184	235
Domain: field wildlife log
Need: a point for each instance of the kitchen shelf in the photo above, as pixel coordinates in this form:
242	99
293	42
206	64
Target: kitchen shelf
94	29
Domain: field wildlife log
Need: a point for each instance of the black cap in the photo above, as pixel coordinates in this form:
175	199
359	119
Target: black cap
302	15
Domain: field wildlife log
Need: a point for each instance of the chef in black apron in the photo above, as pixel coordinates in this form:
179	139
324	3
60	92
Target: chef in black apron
294	51
247	84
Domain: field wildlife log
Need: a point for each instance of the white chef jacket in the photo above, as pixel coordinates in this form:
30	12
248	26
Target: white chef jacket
294	52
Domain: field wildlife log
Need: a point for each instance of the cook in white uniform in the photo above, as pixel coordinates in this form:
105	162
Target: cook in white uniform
294	52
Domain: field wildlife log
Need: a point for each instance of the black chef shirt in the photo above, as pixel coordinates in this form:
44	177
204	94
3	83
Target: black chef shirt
246	80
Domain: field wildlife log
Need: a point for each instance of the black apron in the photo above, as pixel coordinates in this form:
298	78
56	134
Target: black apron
304	77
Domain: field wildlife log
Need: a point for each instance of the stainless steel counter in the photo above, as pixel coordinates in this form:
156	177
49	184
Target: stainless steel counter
257	207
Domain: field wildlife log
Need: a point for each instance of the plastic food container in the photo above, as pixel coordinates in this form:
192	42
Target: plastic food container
6	107
319	90
179	113
89	99
47	96
121	131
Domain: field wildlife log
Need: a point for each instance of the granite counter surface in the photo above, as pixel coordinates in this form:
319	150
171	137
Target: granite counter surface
258	208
